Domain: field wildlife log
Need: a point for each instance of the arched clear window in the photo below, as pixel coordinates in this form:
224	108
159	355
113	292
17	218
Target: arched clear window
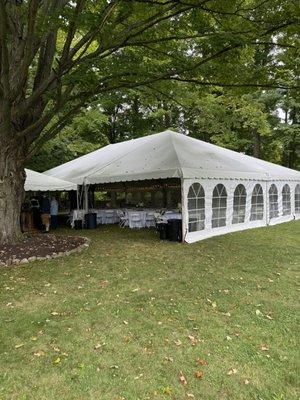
286	200
273	202
239	204
196	207
297	199
219	205
257	203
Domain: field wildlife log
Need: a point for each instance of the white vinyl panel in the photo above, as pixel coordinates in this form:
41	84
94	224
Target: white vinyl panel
230	185
185	183
208	188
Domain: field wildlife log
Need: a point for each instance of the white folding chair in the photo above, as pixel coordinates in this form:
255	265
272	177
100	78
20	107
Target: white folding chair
150	219
158	218
109	217
100	217
123	218
135	221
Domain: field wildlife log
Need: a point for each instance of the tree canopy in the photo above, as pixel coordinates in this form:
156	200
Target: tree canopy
59	58
56	56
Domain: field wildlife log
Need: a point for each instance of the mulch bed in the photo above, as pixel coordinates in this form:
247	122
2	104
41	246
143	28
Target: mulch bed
39	245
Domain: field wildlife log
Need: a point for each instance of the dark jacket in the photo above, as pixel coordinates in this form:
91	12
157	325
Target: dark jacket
45	206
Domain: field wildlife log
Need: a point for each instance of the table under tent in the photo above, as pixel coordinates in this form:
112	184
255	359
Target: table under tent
35	183
218	190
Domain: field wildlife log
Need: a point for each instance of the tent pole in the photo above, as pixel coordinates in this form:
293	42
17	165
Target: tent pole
77	198
86	199
184	210
267	205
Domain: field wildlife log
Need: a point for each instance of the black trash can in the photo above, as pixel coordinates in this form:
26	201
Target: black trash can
78	224
162	230
174	230
90	220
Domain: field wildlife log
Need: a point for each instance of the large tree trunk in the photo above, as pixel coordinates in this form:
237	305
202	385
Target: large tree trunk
12	178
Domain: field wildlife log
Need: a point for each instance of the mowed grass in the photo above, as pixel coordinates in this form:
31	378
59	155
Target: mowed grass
125	318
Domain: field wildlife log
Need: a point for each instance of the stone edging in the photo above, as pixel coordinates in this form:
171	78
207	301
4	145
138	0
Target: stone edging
16	261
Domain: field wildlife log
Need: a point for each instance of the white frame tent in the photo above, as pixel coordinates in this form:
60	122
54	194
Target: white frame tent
36	181
222	191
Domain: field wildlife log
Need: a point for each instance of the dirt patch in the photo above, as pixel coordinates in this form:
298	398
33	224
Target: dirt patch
39	245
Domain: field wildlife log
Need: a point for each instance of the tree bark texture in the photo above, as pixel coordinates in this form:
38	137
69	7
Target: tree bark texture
12	178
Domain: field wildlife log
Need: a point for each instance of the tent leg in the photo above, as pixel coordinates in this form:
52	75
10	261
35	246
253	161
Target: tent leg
184	210
86	198
77	198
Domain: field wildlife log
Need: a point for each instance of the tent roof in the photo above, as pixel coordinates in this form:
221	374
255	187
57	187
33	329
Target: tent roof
167	155
36	181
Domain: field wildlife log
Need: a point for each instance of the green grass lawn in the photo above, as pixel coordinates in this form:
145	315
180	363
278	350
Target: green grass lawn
125	318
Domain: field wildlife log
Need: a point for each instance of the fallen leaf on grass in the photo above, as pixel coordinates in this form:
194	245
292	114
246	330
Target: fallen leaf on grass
258	312
193	340
97	346
264	347
199	374
246	382
56	360
190	396
170	359
182	379
167	390
178	342
54	313
17	346
232	371
213	303
39	353
227	314
200	361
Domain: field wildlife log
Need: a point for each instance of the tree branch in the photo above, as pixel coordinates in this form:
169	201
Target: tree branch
4	70
27	52
235	84
71	31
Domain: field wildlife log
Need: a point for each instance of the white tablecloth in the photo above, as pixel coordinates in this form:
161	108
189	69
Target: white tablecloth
170	215
134	218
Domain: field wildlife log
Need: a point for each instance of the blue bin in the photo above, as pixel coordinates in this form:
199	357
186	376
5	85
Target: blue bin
90	220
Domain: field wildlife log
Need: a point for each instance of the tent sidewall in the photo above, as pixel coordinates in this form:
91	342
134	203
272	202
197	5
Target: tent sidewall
230	185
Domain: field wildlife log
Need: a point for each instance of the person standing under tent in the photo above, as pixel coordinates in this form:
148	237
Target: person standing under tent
45	212
54	212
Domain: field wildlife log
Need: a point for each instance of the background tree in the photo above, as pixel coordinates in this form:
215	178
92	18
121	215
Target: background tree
59	56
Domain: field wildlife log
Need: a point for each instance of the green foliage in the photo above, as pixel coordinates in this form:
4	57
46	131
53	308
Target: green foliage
150	65
83	135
